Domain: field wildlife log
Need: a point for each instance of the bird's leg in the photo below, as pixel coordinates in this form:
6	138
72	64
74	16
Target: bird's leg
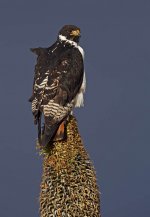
60	134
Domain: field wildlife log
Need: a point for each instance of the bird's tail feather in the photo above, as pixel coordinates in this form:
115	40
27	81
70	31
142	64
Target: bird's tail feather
61	133
52	134
48	135
39	128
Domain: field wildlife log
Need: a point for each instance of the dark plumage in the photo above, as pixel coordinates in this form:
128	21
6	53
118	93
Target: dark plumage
57	81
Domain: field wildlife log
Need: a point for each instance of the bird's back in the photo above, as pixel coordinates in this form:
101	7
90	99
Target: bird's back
57	81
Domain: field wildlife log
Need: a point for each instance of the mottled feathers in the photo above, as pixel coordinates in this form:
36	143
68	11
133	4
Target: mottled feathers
57	81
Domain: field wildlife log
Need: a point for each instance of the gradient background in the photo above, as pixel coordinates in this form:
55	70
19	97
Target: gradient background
115	120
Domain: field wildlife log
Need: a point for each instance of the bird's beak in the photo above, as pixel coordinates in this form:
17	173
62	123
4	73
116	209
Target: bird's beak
75	33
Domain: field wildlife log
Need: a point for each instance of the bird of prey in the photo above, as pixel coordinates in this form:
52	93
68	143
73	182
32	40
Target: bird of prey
59	83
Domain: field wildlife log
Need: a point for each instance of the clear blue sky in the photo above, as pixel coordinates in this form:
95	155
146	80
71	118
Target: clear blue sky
115	120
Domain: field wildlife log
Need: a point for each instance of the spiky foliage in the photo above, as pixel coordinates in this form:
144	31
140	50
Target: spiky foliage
68	186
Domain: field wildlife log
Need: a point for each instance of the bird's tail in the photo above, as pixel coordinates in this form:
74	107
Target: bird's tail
39	128
54	133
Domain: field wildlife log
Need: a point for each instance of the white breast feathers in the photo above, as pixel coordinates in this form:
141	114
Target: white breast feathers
79	99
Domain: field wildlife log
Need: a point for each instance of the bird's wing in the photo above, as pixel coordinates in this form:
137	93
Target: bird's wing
55	89
40	73
63	84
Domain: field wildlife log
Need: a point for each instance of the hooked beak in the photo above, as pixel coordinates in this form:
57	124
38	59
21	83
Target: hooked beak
75	33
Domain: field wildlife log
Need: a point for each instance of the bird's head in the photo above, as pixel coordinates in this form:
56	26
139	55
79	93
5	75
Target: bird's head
70	32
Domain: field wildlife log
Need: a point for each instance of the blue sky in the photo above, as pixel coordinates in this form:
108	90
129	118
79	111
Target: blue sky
115	121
